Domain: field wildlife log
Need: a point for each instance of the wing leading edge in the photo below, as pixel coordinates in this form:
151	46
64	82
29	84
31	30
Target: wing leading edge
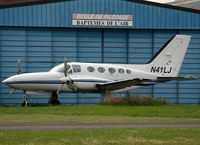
117	85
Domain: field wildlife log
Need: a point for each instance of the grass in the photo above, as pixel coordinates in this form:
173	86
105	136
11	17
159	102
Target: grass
103	136
47	118
100	113
138	101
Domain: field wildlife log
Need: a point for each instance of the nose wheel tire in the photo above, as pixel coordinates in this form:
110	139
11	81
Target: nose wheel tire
53	100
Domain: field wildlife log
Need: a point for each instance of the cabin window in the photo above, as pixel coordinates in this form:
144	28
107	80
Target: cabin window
101	69
111	70
121	71
76	68
128	71
91	69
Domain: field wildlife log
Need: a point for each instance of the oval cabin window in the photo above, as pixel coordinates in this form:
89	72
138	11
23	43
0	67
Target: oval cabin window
128	71
111	70
91	69
121	71
101	69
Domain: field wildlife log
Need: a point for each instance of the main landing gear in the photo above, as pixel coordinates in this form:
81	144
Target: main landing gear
53	100
106	96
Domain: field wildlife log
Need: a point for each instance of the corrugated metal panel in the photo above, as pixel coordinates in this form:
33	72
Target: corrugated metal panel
59	14
140	44
140	51
40	49
89	45
166	90
115	46
189	92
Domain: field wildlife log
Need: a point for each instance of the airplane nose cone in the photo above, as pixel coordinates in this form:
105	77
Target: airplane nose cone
9	80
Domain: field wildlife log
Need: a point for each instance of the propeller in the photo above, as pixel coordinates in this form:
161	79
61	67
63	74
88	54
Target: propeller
66	80
18	72
12	91
59	89
18	66
65	67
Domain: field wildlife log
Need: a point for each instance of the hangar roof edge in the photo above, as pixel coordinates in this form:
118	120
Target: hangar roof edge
166	6
138	1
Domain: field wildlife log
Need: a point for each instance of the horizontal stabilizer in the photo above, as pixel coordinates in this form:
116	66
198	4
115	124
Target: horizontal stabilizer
187	78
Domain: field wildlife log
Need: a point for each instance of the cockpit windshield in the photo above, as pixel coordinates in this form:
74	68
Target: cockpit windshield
76	68
60	68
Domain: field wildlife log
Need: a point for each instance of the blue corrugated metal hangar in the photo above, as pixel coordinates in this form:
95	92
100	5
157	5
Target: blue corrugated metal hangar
104	31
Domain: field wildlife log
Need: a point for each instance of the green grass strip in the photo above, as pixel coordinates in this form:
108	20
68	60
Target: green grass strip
106	110
103	136
99	113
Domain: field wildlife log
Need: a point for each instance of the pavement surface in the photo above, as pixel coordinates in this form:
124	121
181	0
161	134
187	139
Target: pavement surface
68	126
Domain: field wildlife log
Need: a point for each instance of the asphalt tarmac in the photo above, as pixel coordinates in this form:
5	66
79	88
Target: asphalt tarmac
68	126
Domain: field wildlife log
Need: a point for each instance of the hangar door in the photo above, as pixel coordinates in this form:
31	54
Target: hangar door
40	49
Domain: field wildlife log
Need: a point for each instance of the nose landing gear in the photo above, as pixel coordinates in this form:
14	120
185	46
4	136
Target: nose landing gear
53	100
25	103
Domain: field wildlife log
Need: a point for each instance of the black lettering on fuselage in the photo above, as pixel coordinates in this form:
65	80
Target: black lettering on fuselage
158	69
153	69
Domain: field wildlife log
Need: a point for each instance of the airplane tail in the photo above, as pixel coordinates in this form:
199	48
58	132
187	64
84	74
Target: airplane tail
168	60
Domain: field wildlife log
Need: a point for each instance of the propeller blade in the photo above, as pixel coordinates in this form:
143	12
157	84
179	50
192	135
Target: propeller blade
59	89
19	66
12	91
65	66
71	85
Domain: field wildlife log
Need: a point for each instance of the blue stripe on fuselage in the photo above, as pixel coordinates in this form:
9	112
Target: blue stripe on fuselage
76	80
57	81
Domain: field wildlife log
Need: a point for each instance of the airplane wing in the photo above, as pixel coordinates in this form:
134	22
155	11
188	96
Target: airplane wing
139	82
121	84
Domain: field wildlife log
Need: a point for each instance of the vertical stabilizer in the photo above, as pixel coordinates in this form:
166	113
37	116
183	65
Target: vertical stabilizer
168	60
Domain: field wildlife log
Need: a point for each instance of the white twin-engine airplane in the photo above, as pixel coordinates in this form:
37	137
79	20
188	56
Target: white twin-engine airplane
103	78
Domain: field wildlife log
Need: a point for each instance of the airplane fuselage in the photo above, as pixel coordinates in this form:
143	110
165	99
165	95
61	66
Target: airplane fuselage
85	76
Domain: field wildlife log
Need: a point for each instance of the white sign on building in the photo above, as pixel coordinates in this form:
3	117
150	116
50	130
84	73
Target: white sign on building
102	20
